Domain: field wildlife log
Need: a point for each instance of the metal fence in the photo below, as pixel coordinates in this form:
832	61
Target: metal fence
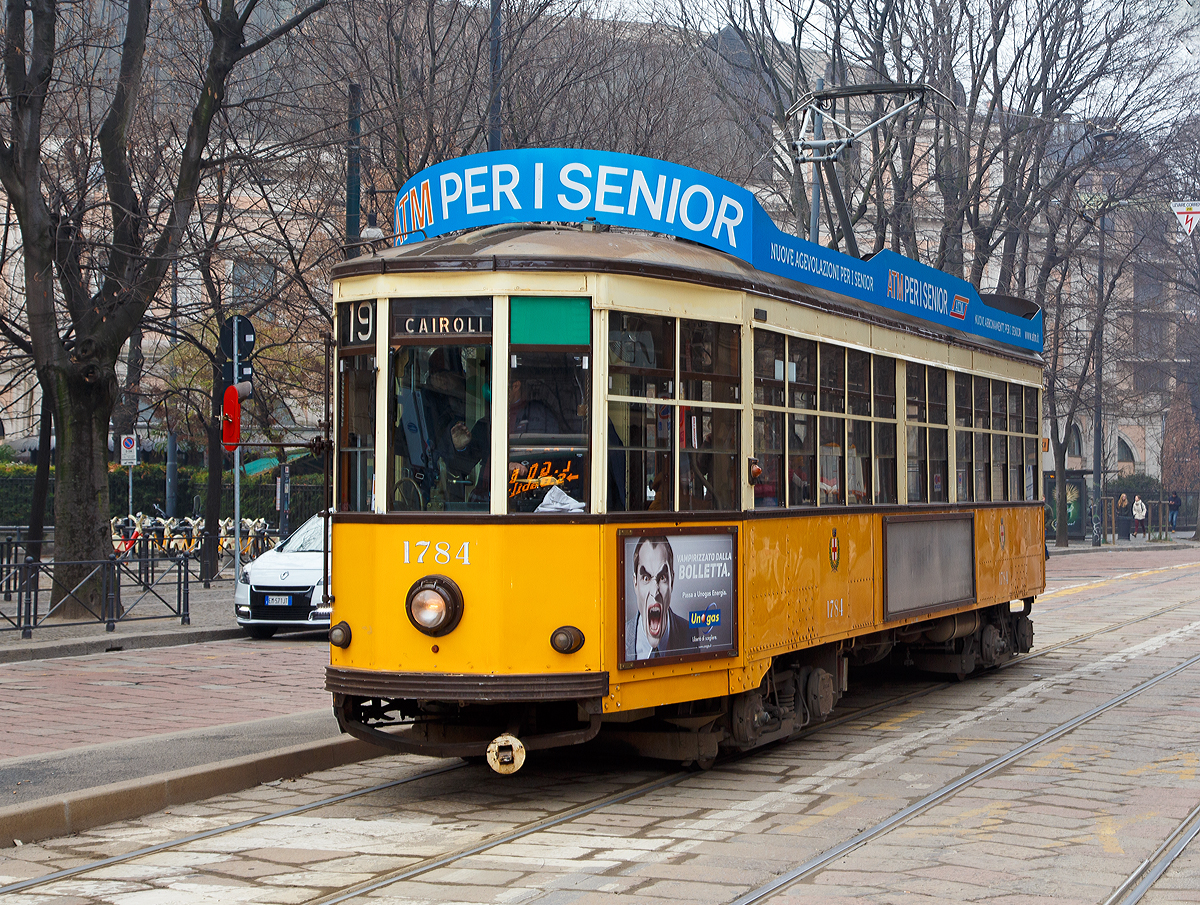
131	589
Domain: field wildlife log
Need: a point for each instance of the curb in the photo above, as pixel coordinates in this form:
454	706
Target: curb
47	650
52	817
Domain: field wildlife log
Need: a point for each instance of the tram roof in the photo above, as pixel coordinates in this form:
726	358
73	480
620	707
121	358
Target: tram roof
567	247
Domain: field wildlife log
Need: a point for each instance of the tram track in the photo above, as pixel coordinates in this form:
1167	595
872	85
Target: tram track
815	865
1142	880
573	813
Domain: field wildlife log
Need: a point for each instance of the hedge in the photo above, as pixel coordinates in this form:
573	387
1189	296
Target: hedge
149	488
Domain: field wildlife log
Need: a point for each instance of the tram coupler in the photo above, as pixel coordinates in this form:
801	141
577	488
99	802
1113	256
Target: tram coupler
506	754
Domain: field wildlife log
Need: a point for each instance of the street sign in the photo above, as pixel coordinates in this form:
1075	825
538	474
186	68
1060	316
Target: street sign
129	449
239	325
1188	213
245	372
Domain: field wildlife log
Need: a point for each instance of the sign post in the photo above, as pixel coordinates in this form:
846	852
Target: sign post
129	457
237	342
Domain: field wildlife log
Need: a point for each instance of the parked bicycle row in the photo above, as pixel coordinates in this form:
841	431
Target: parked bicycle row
172	536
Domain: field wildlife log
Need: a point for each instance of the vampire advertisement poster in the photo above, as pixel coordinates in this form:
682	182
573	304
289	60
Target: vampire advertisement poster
679	596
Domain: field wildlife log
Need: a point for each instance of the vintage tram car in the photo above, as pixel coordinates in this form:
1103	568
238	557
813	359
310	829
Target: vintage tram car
627	475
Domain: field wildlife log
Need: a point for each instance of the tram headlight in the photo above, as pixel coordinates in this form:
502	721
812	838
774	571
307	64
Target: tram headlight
434	605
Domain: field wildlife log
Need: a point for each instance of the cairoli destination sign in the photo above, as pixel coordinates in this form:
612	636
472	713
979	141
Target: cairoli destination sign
1188	213
561	185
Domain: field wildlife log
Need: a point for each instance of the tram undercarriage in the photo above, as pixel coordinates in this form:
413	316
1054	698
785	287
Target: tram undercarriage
798	690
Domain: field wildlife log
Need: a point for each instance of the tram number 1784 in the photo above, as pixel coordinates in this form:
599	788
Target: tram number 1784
834	608
440	554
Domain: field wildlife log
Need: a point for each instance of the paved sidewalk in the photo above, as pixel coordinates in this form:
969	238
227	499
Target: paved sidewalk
49	705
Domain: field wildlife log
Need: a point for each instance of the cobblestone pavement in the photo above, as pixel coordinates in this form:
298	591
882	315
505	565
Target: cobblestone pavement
1067	822
51	705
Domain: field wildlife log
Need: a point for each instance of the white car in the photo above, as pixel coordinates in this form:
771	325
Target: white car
282	588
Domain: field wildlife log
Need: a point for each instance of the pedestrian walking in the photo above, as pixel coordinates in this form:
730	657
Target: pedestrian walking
1173	504
1139	516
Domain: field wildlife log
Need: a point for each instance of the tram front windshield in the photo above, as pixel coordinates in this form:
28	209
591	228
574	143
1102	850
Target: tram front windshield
441	435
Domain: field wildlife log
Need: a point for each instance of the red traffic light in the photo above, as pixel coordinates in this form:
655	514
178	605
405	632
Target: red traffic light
231	418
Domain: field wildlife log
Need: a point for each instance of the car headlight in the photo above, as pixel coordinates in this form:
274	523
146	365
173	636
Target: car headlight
434	605
244	576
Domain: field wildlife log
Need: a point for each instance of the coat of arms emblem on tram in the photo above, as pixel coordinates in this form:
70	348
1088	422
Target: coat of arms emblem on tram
835	552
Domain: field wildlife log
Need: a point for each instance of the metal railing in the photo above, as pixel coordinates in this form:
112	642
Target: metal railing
118	589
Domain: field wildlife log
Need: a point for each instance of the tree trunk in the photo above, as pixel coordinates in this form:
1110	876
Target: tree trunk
82	511
126	412
41	481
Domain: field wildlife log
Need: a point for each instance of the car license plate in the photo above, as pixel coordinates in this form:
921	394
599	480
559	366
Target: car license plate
279	600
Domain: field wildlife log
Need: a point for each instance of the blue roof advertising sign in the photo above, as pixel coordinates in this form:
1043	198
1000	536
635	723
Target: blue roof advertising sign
565	185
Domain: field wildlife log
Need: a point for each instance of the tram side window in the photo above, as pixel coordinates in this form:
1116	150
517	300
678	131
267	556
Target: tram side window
885	387
884	395
833	432
802	373
858	381
983	467
710	361
885	464
770	371
708	458
769	492
1031	487
641	435
963	448
999	467
356	434
639	457
709	371
858	463
1016	467
962	402
833	378
939	466
441	434
548	393
802	460
918	456
1033	412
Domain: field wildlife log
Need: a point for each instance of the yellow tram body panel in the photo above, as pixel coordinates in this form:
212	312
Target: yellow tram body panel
519	582
796	589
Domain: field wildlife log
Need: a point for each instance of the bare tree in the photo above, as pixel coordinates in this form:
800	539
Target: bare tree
96	249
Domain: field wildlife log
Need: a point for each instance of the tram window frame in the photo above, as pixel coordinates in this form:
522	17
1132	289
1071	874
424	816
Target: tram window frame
858	383
459	329
917	458
1033	411
770	383
859	460
542	404
355	458
831	370
648	485
887	491
828	458
964	454
962	400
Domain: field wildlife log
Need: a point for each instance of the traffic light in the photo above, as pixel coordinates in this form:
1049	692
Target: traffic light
231	414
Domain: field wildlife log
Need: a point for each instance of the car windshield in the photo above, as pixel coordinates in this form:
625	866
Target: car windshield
305	539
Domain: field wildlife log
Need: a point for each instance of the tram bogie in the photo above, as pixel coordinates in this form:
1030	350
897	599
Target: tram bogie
611	485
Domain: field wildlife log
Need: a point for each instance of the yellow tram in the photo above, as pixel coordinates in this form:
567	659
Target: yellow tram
615	455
